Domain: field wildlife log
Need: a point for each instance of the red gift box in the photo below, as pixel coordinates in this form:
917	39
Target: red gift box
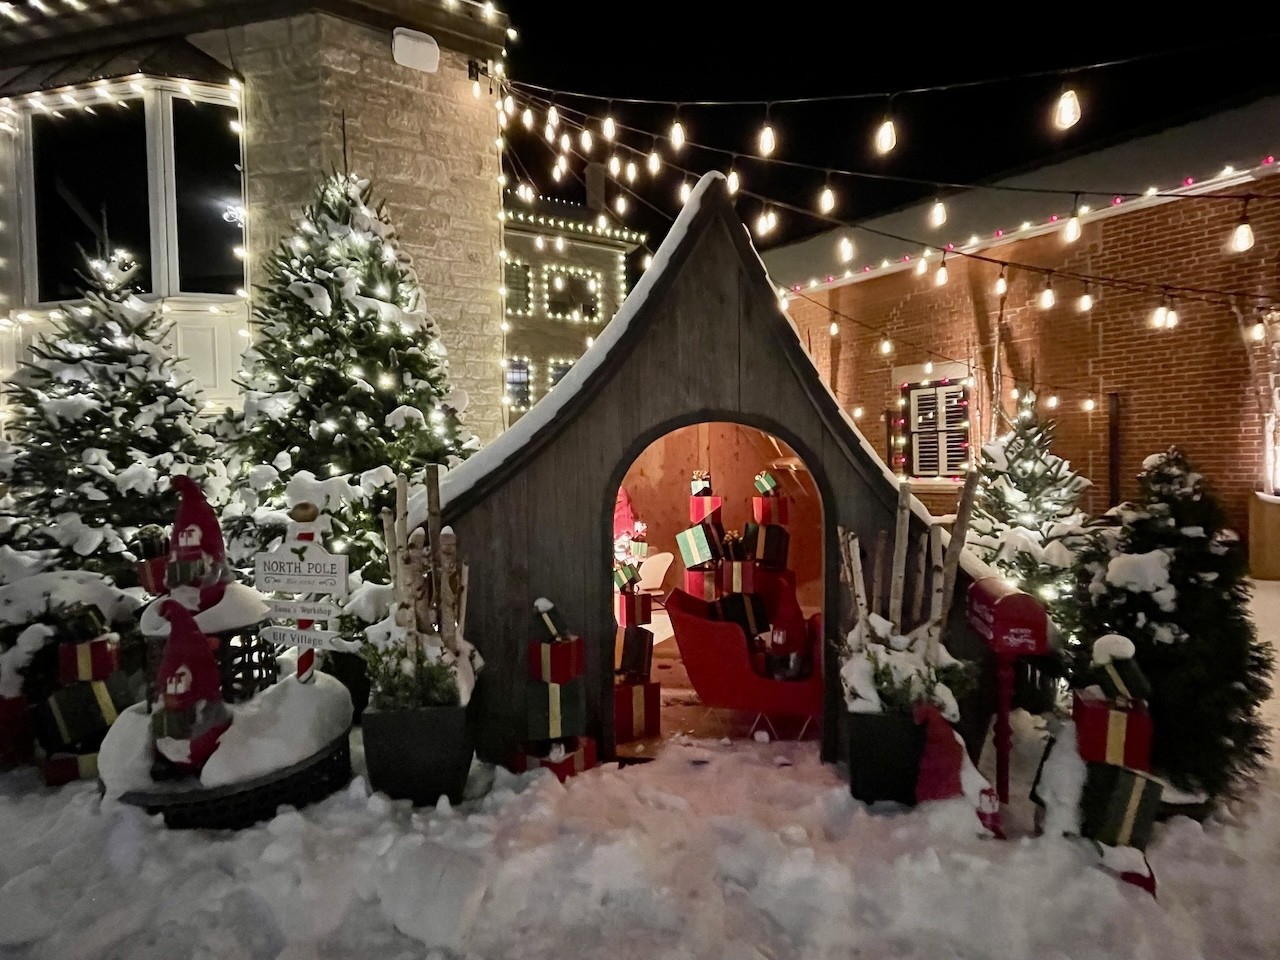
636	711
737	576
63	768
1110	734
769	509
705	509
17	732
151	573
557	661
582	757
703	584
94	660
632	609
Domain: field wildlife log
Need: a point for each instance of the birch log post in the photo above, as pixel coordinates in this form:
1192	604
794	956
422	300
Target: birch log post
859	583
433	532
877	573
959	531
933	635
448	557
393	550
898	574
917	586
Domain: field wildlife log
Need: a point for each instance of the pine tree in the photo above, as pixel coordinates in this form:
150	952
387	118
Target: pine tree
100	417
1025	519
1171	577
347	377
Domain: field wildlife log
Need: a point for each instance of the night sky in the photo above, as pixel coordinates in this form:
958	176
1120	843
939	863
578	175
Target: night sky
713	51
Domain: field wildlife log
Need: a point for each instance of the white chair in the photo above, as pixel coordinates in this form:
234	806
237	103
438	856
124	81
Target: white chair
653	571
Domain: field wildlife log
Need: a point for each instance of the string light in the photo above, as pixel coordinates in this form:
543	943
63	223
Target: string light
928	368
767	140
1002	285
765	223
553	117
677	135
609	128
1242	235
1046	299
620	204
886	346
937	214
685	191
886	136
615	166
834	329
922	265
1259	332
565	143
1071	233
1089	405
827	199
857	413
631	171
654	161
1085	303
585	139
844	249
1066	112
733	181
940	278
1052	402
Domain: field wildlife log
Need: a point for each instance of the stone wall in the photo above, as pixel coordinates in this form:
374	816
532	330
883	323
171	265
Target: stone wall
426	142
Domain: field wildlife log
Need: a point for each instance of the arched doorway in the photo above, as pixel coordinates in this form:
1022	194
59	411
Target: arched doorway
717	678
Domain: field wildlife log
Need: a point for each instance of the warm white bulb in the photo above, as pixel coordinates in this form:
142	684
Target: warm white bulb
1159	316
565	143
1241	237
685	190
1171	317
1015	393
928	368
677	135
1066	112
631	171
845	250
1047	299
550	133
553	117
834	329
654	161
766	222
886	346
857	413
922	266
620	204
768	140
556	173
733	181
886	137
827	200
1071	232
539	243
1085	303
609	128
937	214
1052	402
615	165
1089	405
1259	332
559	244
1002	286
940	278
586	140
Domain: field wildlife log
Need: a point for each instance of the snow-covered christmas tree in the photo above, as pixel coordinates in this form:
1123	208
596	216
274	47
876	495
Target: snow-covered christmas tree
1171	577
1025	512
347	377
99	417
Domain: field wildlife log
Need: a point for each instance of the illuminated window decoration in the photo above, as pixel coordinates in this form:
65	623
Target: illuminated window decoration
518	380
557	367
572	293
516	280
936	428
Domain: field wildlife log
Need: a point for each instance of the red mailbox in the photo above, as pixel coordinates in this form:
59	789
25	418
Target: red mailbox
1013	623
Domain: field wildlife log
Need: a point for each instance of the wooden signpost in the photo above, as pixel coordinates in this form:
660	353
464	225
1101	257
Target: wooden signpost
302	565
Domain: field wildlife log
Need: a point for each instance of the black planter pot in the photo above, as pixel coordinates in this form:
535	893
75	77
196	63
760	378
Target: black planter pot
419	755
884	756
351	670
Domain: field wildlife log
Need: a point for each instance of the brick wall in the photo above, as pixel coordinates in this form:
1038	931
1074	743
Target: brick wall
1192	386
423	138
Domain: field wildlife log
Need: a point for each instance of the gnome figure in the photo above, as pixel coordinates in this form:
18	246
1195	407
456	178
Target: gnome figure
198	572
188	715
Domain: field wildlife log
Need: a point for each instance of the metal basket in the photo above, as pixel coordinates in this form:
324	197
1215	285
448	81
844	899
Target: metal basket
246	662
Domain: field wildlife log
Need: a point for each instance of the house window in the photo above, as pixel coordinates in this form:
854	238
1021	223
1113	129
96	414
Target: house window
519	294
519	385
572	293
556	369
937	429
145	165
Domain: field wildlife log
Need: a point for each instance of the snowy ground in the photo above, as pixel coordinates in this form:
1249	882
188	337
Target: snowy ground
712	851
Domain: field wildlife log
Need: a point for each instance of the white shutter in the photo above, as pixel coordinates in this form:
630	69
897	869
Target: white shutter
939	435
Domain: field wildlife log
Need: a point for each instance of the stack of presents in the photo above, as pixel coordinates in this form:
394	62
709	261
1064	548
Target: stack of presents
726	569
556	699
73	720
637	700
1113	736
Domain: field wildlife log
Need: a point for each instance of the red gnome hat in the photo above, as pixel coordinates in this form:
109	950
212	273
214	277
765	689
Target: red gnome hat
195	527
188	672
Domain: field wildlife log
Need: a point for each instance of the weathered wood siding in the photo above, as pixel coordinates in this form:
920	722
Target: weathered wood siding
710	344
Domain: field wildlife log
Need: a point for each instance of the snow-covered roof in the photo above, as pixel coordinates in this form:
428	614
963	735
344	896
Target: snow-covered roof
1210	154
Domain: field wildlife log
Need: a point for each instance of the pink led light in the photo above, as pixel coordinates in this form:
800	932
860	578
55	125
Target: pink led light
1053	218
1188	182
1268	160
866	269
1116	201
906	258
999	234
951	246
830	278
796	288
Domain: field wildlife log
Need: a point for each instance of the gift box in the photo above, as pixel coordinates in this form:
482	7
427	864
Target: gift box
151	574
744	609
701	544
625	575
557	661
636	711
60	769
736	576
766	483
703	584
700	483
548	621
151	543
77	717
17	732
705	509
79	622
1121	680
580	755
769	509
637	654
639	549
632	609
767	544
734	548
93	660
1106	733
1119	805
556	710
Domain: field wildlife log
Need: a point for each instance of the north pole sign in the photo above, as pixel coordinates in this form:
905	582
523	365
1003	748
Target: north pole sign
301	567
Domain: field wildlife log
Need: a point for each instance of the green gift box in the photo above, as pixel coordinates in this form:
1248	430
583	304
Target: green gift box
700	544
1120	680
767	544
625	575
547	619
76	717
639	549
1119	805
556	710
766	483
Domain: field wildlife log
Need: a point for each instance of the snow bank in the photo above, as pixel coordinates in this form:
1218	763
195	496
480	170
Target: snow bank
1144	573
241	606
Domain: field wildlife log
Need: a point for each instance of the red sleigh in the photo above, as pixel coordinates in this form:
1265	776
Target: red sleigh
718	661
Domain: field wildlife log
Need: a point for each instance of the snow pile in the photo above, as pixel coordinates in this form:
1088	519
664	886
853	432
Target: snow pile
241	606
1110	647
1144	573
1062	783
895	672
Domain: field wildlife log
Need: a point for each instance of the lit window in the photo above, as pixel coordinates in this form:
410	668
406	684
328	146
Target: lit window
937	429
556	370
573	293
518	382
516	280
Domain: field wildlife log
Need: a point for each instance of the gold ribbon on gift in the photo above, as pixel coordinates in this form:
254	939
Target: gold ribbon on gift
546	660
551	624
84	661
59	720
737	571
752	628
555	721
1130	813
1121	688
87	766
637	709
105	706
1117	726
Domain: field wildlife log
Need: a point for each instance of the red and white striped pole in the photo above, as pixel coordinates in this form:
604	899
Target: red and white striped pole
306	513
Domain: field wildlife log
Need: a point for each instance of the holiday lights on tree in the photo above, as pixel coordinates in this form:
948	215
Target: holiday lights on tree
347	377
99	418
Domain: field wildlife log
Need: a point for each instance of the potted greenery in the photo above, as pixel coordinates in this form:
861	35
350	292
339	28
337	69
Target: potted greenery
885	677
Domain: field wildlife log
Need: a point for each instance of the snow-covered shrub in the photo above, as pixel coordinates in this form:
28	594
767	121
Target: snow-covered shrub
882	672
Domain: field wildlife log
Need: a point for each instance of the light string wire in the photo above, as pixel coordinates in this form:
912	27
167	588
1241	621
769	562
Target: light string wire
1183	293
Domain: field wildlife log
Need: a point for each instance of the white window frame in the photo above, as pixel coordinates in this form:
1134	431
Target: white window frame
157	96
946	467
577	271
